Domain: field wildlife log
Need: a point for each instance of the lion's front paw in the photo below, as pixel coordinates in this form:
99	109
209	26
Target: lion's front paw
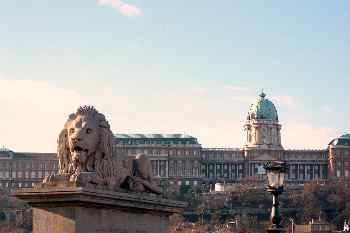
49	179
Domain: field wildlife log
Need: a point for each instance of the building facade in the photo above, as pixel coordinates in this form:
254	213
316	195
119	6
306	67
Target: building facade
181	159
22	169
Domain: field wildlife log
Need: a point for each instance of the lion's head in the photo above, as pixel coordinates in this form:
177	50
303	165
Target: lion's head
85	144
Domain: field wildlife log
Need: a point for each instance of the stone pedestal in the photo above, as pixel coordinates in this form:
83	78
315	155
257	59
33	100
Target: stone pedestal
84	210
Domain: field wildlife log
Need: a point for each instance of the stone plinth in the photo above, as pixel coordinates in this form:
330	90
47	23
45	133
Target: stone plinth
85	210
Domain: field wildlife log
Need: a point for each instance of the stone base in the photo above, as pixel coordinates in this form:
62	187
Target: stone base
82	210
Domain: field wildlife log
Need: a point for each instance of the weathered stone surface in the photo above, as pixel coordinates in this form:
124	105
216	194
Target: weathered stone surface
84	210
96	190
86	157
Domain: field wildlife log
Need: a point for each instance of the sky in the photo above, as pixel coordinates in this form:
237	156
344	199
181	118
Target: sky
180	66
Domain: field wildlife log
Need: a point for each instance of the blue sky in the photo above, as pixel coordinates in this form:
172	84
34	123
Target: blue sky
173	67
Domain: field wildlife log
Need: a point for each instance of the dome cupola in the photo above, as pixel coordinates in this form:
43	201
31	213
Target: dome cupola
262	127
263	109
343	140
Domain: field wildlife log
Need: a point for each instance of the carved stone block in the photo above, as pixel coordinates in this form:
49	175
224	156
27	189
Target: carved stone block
85	210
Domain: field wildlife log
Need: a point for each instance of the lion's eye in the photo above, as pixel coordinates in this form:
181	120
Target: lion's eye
71	130
88	131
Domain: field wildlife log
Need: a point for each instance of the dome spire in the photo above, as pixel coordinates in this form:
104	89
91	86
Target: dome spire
262	94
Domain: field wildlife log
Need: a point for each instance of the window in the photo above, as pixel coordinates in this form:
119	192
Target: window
179	182
338	173
187	182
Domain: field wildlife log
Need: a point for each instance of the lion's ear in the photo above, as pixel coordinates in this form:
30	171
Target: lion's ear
63	151
72	116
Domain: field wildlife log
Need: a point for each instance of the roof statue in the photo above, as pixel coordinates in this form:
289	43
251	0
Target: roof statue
86	157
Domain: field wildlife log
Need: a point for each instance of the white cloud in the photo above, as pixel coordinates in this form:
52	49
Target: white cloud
122	7
285	100
236	88
33	113
243	99
282	100
221	135
327	109
305	136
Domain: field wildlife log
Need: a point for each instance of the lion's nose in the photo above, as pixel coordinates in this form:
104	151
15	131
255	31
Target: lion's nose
76	139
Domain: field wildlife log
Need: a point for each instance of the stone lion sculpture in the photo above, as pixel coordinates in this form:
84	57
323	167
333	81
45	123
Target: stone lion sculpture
86	157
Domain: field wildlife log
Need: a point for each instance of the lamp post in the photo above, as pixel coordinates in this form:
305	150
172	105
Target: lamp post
275	171
292	221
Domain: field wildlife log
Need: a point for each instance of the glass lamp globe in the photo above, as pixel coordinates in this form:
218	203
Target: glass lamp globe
275	171
275	178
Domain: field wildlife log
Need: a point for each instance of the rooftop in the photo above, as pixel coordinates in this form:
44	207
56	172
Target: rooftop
163	139
343	140
167	136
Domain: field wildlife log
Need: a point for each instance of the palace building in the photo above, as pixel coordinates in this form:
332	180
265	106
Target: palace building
180	159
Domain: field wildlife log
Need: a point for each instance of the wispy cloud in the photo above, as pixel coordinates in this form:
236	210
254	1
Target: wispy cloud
305	135
37	110
327	109
236	88
198	90
243	99
282	100
122	7
285	100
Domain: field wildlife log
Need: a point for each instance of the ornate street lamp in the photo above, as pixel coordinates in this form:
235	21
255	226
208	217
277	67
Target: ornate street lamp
275	171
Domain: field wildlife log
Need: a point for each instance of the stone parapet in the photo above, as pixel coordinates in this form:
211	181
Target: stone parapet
86	210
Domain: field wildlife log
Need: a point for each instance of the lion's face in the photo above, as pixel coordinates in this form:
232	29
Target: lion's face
83	139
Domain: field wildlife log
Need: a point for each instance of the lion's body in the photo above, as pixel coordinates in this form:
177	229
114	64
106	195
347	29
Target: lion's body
85	145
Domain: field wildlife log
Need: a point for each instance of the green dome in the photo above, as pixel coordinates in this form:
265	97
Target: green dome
263	109
343	140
